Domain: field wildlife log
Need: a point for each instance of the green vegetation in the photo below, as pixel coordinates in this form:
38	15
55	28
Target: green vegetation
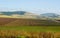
32	28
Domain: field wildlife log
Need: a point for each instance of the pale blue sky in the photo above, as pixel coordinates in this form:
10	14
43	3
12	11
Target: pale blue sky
35	6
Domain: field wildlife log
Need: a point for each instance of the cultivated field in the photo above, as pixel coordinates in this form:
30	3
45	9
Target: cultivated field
27	22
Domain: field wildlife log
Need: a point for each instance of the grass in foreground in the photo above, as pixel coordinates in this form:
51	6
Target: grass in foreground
29	31
32	28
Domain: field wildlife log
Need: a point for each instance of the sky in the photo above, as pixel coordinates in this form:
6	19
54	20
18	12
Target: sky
34	6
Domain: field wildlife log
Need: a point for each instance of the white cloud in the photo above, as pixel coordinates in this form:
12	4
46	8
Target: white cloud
47	10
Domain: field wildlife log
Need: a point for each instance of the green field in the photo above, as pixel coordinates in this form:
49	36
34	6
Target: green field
32	28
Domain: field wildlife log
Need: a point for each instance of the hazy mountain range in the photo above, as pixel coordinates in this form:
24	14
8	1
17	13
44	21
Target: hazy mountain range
23	14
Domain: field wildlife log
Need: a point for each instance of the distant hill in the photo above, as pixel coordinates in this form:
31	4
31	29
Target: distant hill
14	12
52	15
18	14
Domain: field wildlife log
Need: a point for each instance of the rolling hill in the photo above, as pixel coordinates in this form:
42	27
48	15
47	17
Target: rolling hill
26	22
13	12
52	15
24	14
18	14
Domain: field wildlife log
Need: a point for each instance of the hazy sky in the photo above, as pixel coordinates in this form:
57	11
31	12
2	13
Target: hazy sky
35	6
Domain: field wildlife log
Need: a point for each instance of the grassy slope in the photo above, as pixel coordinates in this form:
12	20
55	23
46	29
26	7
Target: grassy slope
32	28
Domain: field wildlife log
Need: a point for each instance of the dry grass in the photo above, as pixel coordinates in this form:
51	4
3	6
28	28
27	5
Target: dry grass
26	34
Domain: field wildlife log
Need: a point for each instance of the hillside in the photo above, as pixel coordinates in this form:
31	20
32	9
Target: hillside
4	21
26	22
52	15
18	14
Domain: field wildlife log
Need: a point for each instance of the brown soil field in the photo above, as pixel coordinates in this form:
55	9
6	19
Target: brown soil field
4	21
29	22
